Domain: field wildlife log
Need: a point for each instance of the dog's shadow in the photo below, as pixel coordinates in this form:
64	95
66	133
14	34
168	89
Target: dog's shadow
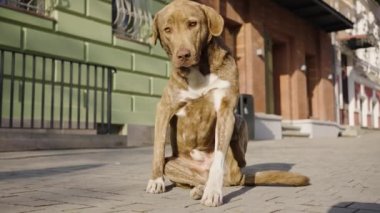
253	169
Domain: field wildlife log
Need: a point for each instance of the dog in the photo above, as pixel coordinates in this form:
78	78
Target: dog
208	140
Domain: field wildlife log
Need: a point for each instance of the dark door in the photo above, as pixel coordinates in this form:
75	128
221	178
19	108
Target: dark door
269	90
311	71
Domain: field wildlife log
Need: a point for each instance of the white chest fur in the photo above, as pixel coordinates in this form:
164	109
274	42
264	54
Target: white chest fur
200	85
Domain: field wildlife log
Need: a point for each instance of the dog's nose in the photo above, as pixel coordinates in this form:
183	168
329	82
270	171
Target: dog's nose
183	54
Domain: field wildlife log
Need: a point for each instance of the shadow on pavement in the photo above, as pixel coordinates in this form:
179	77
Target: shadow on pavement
355	207
253	169
45	172
267	166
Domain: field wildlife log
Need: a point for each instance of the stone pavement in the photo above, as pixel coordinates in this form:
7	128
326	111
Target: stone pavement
344	172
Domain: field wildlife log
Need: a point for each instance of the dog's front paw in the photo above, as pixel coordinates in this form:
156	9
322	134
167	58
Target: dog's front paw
156	186
212	197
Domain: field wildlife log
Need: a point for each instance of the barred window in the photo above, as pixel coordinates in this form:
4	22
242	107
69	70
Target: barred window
132	19
33	6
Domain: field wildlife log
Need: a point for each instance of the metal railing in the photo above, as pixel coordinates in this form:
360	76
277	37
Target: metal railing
33	6
132	19
45	92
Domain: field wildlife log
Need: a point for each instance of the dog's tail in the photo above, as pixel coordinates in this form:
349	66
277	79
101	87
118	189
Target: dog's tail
276	178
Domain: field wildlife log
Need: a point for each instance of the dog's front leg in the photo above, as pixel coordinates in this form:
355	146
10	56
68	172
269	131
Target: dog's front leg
163	114
212	195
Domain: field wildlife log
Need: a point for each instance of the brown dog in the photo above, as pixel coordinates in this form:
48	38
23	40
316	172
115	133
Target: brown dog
208	140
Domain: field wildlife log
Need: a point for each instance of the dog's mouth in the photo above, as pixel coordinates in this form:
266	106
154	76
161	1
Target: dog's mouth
186	64
184	71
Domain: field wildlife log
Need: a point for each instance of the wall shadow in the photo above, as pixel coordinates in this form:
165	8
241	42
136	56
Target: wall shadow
6	175
261	130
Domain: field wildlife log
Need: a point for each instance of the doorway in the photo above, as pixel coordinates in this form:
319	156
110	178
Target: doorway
311	71
344	113
275	66
230	34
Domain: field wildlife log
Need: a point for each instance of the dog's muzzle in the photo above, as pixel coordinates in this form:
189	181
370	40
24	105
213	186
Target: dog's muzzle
184	71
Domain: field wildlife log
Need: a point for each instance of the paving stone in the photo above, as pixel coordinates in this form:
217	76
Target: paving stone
344	174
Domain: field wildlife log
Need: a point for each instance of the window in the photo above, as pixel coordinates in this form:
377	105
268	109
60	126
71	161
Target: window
132	19
229	35
34	6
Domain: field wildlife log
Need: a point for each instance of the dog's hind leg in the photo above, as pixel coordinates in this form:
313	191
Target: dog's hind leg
196	192
181	171
233	175
239	140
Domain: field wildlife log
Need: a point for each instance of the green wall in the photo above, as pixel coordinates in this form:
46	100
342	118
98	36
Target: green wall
81	30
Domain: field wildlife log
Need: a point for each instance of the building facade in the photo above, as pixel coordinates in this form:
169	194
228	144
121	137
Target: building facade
102	32
286	62
358	68
294	58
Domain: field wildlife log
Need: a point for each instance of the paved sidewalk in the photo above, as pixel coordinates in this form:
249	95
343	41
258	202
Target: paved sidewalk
345	176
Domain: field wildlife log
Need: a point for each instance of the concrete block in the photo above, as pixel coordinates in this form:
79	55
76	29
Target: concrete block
157	50
10	34
130	45
158	85
149	65
26	19
50	43
125	81
109	56
316	128
267	127
140	135
100	10
123	116
145	104
350	132
76	6
93	30
121	102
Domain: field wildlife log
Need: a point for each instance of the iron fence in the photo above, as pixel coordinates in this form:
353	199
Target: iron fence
45	92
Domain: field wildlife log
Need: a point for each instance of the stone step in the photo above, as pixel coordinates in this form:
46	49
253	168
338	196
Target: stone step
27	141
350	132
289	127
294	134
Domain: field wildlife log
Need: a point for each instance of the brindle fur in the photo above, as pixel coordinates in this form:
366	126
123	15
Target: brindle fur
204	126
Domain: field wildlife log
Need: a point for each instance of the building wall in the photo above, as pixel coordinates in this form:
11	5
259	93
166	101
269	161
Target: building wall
368	22
300	39
260	20
362	70
82	30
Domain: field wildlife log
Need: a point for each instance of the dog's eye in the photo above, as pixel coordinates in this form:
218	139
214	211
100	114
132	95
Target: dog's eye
192	24
167	30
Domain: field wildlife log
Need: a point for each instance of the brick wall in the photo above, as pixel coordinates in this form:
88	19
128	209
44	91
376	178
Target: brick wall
293	39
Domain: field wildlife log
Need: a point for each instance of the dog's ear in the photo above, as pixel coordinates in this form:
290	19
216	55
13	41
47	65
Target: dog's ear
215	21
155	32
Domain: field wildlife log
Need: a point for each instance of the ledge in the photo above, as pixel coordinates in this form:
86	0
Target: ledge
24	17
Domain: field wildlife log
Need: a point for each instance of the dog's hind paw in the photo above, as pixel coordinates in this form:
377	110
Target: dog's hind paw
212	198
197	192
156	186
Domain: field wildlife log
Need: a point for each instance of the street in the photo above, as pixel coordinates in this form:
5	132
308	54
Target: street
344	173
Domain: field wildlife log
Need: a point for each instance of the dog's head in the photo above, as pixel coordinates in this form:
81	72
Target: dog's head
184	28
